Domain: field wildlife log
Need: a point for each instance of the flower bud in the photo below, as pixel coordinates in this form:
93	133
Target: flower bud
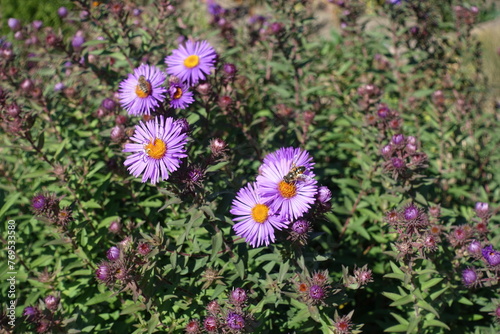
77	42
144	248
301	226
51	302
19	35
113	253
482	209
121	119
59	87
102	272
37	24
469	277
115	227
13	110
398	139
192	327
238	296
27	85
14	24
109	104
217	147
204	88
210	324
62	12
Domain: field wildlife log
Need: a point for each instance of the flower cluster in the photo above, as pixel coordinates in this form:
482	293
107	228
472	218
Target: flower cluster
403	158
313	290
231	317
385	118
123	264
285	192
415	233
159	144
47	208
143	91
45	317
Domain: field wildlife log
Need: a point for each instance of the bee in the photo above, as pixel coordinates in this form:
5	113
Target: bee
296	173
144	85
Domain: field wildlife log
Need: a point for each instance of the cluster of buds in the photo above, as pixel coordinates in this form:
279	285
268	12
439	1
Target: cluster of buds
466	238
222	18
384	118
313	290
465	16
189	176
402	157
487	271
369	95
359	278
472	241
351	11
47	208
230	318
300	229
44	317
123	265
415	234
13	118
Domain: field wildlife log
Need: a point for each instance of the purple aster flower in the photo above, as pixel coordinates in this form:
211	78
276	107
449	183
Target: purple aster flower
256	221
235	321
142	92
180	95
158	146
113	253
191	62
31	313
286	183
491	256
317	292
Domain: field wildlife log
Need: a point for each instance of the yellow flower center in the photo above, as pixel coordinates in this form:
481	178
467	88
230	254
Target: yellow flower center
178	93
156	149
260	213
287	190
191	61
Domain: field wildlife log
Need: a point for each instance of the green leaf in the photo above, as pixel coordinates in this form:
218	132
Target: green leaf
396	329
430	283
153	323
100	298
403	301
11	199
216	245
435	323
217	166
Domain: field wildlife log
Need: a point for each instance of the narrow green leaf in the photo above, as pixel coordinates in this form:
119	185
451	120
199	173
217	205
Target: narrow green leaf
403	301
397	329
9	202
430	283
435	323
